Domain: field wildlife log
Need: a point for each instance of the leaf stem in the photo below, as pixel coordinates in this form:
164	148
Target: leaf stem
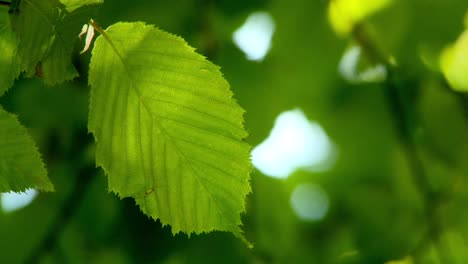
5	3
101	31
209	44
96	26
373	53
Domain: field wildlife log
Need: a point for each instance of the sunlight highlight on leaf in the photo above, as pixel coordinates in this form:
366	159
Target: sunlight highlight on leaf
294	143
89	38
84	29
454	63
344	14
254	36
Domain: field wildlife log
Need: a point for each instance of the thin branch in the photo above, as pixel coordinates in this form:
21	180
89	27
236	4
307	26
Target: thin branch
5	3
373	53
98	28
209	45
398	109
402	119
66	212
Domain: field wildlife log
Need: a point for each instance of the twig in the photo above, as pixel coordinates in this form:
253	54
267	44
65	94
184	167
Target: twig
402	124
372	52
5	3
98	28
69	208
401	120
209	45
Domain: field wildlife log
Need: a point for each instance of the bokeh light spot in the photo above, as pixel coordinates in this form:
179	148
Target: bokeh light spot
293	143
254	36
12	201
348	68
309	202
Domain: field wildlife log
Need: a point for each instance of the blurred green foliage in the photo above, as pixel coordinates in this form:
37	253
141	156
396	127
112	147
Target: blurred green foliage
380	209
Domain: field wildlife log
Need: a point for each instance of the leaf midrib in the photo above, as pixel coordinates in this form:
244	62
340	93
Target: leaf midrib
161	128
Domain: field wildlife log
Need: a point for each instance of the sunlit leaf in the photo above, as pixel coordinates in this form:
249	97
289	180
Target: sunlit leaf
20	163
168	132
72	5
344	14
454	63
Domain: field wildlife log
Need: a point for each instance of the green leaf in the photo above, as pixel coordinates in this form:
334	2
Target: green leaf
345	14
168	132
34	23
57	65
9	70
20	163
72	5
454	63
47	34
